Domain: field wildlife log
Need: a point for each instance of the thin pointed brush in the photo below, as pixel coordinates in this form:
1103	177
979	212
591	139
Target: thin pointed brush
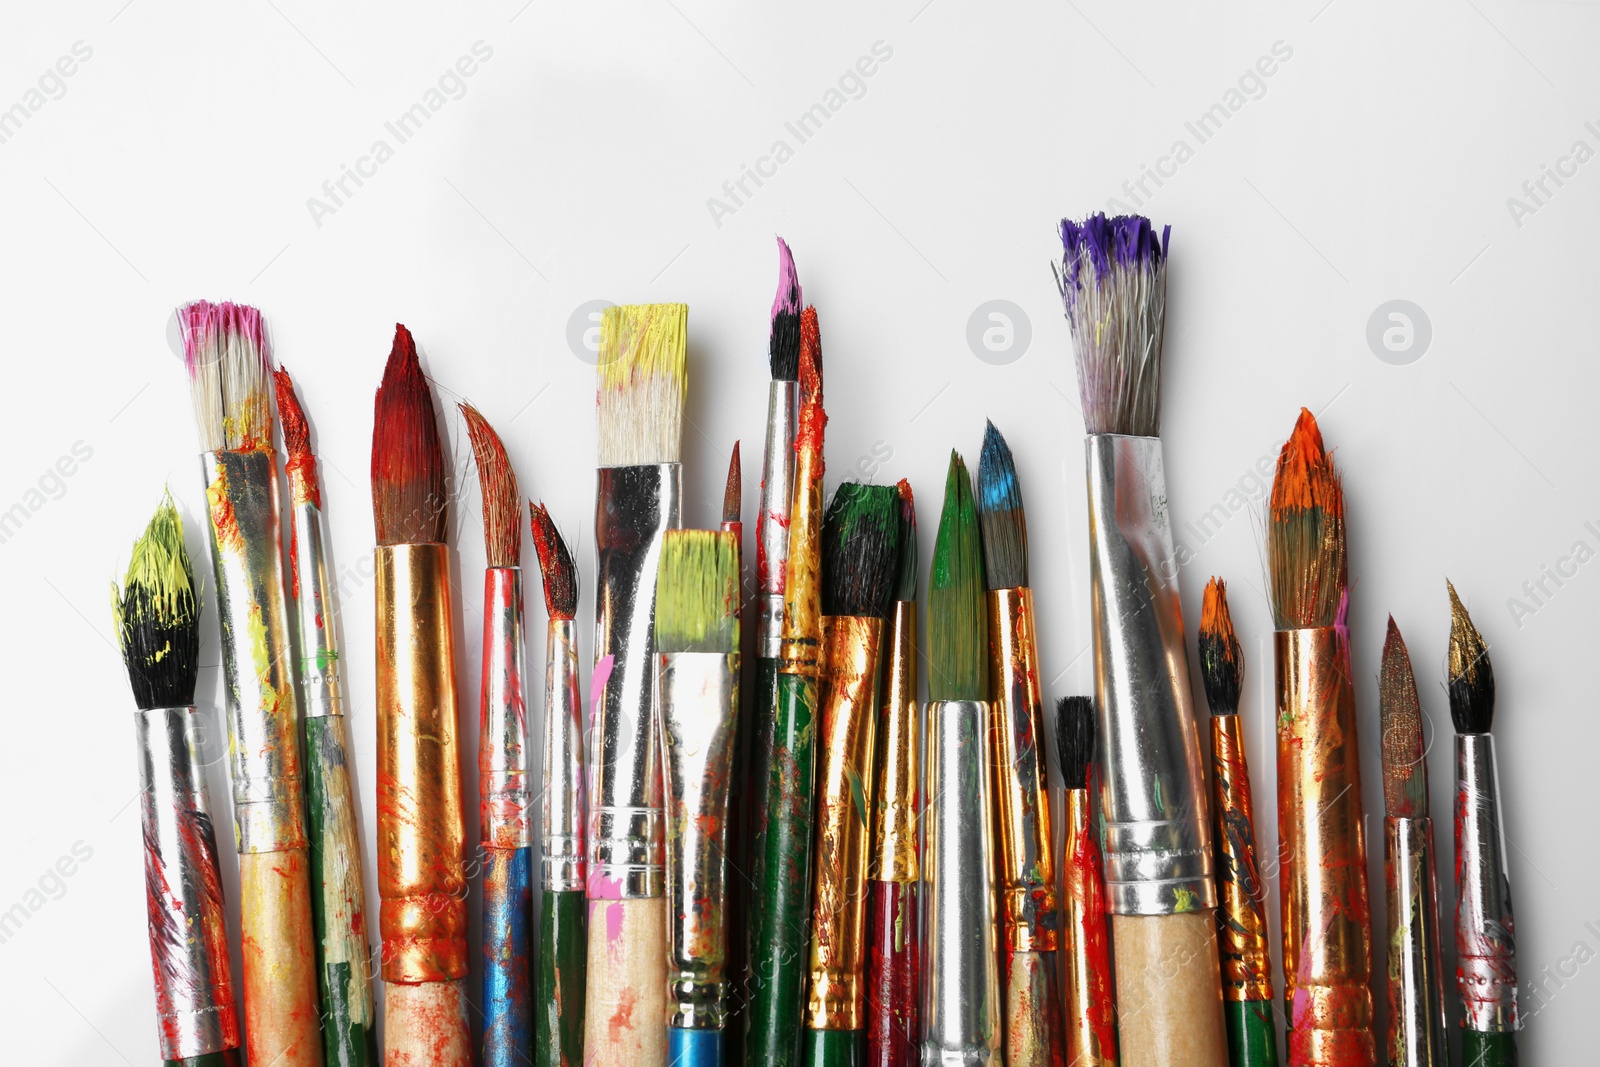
642	378
1091	1007
1113	279
563	941
1025	869
1241	918
1486	942
421	836
739	799
697	677
157	614
1322	844
1416	1035
505	751
338	898
225	353
960	984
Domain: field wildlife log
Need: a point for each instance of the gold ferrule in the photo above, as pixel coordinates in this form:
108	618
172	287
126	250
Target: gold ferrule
1026	876
802	591
423	915
1241	915
1091	1020
837	990
1327	954
896	856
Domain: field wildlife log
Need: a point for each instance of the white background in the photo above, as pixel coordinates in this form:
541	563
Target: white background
1374	164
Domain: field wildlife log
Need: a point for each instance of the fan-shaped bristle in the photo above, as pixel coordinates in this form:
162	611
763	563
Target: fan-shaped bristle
1471	676
1075	727
555	564
1000	515
410	502
502	521
860	540
157	613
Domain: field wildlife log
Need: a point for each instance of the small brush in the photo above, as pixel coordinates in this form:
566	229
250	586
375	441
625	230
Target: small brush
1091	1007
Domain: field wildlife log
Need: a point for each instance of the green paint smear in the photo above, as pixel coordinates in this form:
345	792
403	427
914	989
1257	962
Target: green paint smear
957	621
857	794
559	1007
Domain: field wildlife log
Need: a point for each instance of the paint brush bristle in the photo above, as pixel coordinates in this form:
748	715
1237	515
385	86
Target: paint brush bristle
860	541
642	382
1221	660
1113	281
555	564
157	614
958	623
1000	514
905	583
733	489
1075	727
502	521
1471	676
1405	766
697	592
1306	564
410	503
783	343
300	463
225	352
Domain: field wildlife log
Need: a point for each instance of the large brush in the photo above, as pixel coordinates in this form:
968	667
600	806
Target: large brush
1091	1007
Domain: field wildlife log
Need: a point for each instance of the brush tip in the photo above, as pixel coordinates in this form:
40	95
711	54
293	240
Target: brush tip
1405	770
497	484
157	614
642	382
957	616
1075	730
555	565
1470	680
697	592
1000	514
906	578
860	541
783	342
1221	659
1306	558
733	488
410	503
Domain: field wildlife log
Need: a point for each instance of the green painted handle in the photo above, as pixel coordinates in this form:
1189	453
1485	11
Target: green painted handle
834	1048
230	1058
1252	1039
1479	1049
558	1010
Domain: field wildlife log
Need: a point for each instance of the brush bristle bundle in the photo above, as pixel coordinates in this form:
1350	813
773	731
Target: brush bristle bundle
300	463
1471	676
860	542
1306	563
697	592
410	503
157	613
502	519
733	489
1075	728
1405	768
642	382
783	343
555	564
1000	514
905	583
1221	660
958	621
225	352
1113	279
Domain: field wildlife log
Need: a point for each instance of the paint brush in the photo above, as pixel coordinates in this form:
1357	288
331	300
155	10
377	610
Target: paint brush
697	683
1486	944
1113	280
642	380
1091	1008
421	836
563	941
772	556
1416	1035
960	985
1241	918
338	897
225	354
860	534
1025	869
157	613
780	900
1322	840
504	757
894	903
738	798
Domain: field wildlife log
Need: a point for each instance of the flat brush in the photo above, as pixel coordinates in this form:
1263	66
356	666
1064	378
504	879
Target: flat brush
339	897
421	836
1091	1007
157	613
1113	279
1241	918
1486	943
225	354
1416	1035
1025	868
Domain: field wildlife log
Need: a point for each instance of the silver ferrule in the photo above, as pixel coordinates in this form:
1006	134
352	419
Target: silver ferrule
633	507
1416	984
1158	848
1486	944
263	716
961	985
321	689
183	884
504	749
564	782
699	701
772	524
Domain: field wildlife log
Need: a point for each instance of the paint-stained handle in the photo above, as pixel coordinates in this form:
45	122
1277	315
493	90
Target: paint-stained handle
1479	1049
1252	1038
1169	989
507	973
425	1025
694	1048
1034	1035
742	886
893	997
281	1017
229	1058
558	1011
625	1016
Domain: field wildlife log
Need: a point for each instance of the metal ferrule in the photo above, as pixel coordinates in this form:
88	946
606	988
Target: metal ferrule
961	998
504	744
1241	916
800	650
1416	984
772	524
183	884
1486	944
421	836
1091	1014
263	717
1026	871
836	991
565	784
633	507
896	808
321	688
699	702
1158	849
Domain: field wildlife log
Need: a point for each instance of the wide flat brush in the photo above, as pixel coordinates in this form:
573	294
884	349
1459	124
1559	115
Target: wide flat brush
1091	1006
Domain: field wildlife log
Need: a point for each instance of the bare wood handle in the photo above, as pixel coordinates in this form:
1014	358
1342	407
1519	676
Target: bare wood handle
425	1025
625	1017
281	1016
1169	990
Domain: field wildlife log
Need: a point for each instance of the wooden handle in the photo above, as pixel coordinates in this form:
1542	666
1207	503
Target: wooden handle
558	1010
625	1014
1252	1036
426	1025
894	1034
507	965
1034	1035
281	1018
1169	990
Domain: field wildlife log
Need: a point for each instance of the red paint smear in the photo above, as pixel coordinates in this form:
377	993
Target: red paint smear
555	565
300	464
893	974
622	1018
1086	871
